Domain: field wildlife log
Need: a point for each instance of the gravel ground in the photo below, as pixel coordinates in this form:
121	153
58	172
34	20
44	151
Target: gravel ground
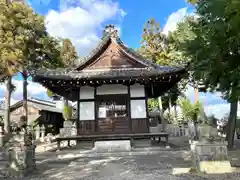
135	167
138	166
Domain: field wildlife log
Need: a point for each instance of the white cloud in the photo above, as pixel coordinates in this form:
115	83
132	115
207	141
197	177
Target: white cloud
34	89
212	102
220	110
175	18
13	101
81	21
205	98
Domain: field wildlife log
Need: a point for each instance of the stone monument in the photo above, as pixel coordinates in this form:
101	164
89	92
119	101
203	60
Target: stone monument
209	153
20	154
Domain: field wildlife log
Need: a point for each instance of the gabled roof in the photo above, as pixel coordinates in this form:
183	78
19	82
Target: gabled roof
110	59
38	104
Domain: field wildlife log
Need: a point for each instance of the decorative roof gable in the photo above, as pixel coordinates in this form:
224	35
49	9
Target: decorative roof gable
111	54
111	59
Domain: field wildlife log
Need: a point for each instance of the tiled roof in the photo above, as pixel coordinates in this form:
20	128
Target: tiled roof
111	73
40	105
46	107
77	72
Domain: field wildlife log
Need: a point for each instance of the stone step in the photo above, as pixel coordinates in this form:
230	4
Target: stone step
112	146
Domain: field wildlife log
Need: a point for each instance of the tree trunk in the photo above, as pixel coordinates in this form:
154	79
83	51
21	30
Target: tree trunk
169	110
169	104
163	121
175	110
195	120
196	93
7	106
196	137
25	107
232	124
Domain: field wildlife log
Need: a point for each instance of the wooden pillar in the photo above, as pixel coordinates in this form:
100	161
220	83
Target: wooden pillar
95	110
78	113
147	114
129	109
163	121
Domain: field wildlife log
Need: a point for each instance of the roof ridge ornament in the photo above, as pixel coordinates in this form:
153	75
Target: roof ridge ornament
111	31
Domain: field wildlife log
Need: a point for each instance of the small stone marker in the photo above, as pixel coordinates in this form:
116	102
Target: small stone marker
112	146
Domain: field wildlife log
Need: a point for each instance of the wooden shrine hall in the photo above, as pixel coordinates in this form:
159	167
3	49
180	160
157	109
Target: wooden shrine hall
111	86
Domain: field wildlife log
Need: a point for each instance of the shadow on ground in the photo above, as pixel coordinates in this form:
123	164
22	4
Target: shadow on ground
159	165
116	167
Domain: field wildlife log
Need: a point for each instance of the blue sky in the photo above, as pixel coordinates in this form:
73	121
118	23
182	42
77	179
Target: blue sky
136	14
83	21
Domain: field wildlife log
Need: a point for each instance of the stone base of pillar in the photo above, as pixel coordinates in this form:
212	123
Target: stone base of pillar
210	157
20	162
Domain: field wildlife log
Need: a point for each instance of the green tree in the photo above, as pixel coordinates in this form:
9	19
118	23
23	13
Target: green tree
191	112
25	44
214	52
152	104
68	57
67	112
7	62
177	37
68	53
153	43
159	48
50	93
